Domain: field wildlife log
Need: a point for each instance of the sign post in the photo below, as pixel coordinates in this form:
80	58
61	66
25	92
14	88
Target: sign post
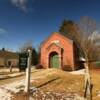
28	71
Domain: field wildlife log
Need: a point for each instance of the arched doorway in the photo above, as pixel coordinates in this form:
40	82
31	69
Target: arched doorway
54	60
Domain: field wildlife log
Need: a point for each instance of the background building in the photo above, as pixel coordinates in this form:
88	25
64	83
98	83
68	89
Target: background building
8	58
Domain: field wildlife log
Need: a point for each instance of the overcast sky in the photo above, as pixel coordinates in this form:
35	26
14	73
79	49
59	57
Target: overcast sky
34	20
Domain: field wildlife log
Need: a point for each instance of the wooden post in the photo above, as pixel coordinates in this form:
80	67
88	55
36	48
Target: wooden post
28	72
88	92
87	79
11	66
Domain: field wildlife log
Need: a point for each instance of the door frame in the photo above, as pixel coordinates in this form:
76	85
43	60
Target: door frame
50	58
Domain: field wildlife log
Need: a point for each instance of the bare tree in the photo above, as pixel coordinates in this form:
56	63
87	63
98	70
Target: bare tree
81	33
35	54
88	45
88	28
25	46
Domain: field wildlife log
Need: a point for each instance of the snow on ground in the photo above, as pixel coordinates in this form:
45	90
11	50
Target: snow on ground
5	69
4	94
14	87
6	90
80	72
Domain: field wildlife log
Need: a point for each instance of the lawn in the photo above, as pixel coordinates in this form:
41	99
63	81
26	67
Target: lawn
58	83
95	78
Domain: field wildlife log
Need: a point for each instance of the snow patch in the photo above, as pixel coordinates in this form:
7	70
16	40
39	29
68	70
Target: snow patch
80	72
4	94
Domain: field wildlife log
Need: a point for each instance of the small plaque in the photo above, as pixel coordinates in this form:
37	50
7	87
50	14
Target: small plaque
55	41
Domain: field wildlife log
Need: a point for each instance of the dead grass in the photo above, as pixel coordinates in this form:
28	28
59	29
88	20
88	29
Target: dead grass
55	80
61	81
95	76
21	96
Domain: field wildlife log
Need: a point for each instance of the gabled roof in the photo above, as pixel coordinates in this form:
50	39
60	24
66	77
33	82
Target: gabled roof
57	33
8	54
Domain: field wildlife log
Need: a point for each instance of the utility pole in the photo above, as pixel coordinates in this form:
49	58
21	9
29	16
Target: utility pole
28	72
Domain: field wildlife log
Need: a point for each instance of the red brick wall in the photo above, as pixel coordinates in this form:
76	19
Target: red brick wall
47	47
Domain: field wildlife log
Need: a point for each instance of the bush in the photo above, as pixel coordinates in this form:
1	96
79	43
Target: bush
67	68
94	65
39	66
98	64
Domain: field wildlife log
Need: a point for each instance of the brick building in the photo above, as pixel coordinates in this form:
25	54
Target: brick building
58	51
